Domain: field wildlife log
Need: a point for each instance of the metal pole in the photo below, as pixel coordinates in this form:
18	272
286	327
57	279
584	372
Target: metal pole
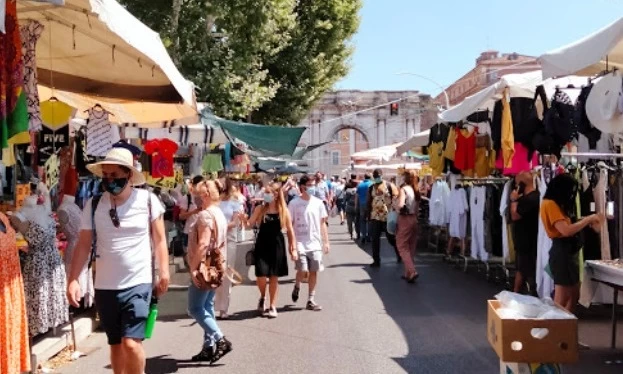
615	303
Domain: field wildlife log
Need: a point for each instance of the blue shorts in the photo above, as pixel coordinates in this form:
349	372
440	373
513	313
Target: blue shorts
123	313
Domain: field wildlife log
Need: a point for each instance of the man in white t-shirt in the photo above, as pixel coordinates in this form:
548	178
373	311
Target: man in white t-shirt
126	221
309	217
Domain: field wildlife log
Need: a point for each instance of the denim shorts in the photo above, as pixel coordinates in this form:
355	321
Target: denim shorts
123	313
310	261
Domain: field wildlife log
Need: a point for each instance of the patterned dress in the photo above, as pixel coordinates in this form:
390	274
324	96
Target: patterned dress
14	326
30	34
44	280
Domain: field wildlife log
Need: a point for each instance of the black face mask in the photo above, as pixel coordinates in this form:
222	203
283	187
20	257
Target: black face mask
115	186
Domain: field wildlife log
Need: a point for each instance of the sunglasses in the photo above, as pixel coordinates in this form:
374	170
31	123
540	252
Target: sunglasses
114	217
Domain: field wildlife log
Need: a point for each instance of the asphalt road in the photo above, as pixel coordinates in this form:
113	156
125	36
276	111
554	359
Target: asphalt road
372	322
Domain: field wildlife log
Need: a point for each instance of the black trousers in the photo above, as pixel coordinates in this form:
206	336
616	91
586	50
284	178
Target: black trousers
376	229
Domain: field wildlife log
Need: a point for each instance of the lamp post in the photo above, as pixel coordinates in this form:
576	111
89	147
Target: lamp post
430	80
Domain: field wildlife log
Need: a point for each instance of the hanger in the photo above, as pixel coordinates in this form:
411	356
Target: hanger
53	98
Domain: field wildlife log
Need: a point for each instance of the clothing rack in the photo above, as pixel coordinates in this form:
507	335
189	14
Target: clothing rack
593	155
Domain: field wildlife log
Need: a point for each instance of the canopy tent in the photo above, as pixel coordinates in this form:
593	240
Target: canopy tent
384	153
519	85
191	134
418	140
395	166
140	114
588	56
97	47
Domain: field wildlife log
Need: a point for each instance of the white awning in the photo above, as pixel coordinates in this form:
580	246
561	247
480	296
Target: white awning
396	166
418	140
384	153
587	56
520	85
97	47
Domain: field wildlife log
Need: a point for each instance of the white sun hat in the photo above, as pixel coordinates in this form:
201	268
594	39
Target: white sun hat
121	157
602	105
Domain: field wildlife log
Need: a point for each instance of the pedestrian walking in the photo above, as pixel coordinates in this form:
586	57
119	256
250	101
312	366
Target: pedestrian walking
406	231
208	234
362	207
271	261
340	199
188	213
379	201
309	218
350	206
124	223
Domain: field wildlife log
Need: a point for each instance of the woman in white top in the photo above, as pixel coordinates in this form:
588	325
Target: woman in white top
232	209
406	232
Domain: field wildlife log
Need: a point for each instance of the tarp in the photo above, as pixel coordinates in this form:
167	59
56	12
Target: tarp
300	152
519	85
418	140
587	56
264	139
384	153
396	166
139	114
97	47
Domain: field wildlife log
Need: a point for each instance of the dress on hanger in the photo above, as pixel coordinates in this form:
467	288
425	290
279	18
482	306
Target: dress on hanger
44	279
600	207
14	327
544	281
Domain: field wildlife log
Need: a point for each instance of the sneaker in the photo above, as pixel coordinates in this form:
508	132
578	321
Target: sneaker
295	294
311	305
223	347
206	354
260	305
272	312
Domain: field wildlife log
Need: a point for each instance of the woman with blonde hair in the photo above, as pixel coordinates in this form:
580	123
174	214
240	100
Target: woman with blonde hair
232	209
406	231
208	233
273	217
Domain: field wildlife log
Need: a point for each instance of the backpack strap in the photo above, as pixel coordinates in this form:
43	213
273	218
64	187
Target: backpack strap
94	202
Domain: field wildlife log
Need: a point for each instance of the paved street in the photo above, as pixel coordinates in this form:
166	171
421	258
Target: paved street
372	322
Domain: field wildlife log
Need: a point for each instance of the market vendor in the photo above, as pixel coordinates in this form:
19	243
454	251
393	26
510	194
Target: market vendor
556	211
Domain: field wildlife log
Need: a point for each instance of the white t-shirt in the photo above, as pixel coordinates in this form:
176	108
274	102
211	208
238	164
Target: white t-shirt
307	218
230	207
123	254
190	221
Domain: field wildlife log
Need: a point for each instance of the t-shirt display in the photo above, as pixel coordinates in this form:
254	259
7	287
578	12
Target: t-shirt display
54	133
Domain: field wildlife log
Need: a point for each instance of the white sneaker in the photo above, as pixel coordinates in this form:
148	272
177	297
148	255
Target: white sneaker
272	312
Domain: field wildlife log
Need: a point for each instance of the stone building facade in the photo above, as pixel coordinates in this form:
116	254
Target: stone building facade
490	67
354	121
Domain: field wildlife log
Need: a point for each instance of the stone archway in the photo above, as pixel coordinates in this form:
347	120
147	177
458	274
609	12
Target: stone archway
339	128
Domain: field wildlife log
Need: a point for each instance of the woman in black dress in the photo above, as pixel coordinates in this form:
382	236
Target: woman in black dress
271	261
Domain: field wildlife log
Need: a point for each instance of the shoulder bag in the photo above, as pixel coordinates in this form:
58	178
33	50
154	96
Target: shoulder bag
211	269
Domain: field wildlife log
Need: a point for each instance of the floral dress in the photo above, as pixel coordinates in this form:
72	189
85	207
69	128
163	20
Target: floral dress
14	327
44	280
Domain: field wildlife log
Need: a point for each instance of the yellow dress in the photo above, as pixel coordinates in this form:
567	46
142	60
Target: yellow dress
15	356
435	153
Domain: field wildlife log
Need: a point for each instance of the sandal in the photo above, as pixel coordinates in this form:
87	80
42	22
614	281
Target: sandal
223	347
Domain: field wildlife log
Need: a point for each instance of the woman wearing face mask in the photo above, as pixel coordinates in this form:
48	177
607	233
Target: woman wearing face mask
232	209
210	220
556	212
271	261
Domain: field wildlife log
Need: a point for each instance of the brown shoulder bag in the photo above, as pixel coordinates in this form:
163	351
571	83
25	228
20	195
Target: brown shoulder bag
212	267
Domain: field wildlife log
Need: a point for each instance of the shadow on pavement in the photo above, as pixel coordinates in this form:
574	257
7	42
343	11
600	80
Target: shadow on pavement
253	314
165	365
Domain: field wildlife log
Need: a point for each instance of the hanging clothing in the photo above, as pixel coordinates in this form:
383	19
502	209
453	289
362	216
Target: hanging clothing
13	103
438	202
477	201
450	148
493	221
544	281
465	155
44	279
592	245
15	356
522	160
508	139
458	213
30	34
54	134
438	133
506	237
436	160
212	162
101	134
600	205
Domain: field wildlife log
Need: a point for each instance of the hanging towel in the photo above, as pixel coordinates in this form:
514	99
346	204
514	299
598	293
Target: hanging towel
212	162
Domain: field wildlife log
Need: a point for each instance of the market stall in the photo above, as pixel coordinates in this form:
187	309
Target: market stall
418	140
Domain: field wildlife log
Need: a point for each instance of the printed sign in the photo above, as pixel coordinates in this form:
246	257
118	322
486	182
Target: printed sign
52	171
21	192
166	183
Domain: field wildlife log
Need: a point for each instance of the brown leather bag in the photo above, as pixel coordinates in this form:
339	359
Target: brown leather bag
212	269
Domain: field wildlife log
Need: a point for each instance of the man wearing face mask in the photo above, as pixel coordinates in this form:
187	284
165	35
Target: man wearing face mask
525	204
125	223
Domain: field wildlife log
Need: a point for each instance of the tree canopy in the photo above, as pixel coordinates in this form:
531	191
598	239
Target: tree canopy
267	60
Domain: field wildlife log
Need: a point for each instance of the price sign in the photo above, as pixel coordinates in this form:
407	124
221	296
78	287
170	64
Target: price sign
52	171
167	183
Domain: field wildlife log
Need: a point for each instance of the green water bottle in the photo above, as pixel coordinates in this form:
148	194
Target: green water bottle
151	318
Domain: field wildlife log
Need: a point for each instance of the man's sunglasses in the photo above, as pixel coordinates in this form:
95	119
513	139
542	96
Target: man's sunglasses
114	217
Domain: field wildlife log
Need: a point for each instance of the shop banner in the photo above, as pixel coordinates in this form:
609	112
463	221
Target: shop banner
52	170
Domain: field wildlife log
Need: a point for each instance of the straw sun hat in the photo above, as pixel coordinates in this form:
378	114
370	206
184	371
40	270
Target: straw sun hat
602	105
121	157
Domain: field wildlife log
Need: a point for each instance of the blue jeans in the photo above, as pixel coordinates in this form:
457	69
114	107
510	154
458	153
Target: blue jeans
201	308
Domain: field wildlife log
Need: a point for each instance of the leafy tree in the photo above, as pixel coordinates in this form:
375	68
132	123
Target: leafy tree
269	58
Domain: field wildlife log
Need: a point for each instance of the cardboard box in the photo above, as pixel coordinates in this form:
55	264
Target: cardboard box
512	339
515	368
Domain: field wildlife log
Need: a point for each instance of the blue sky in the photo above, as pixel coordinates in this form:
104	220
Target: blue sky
441	39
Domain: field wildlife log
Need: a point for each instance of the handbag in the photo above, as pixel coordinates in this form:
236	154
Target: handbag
211	269
392	222
249	258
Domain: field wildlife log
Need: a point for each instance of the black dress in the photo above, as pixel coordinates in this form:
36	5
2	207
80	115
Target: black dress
270	249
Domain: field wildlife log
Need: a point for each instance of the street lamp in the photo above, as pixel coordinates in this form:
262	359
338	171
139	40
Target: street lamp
430	80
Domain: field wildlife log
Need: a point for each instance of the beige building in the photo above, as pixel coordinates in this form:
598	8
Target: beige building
355	120
490	67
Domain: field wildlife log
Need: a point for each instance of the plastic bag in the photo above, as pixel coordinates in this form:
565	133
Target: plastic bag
392	222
